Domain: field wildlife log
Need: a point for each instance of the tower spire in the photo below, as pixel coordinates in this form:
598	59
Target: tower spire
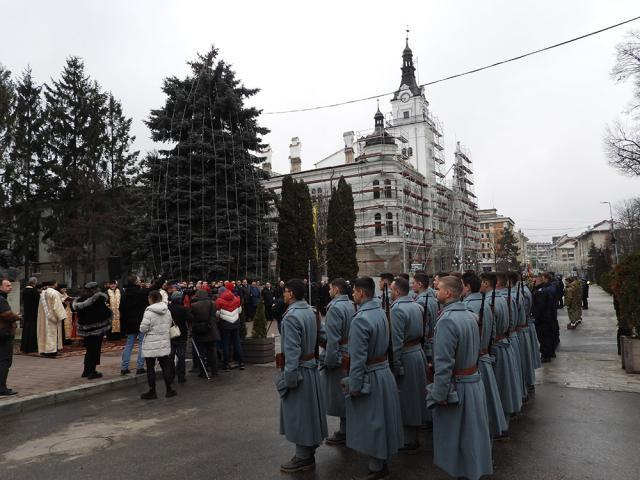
408	70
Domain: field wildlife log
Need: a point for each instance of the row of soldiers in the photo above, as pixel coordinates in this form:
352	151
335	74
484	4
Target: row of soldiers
457	356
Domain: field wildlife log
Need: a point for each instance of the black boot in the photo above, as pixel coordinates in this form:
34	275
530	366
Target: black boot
150	395
379	475
298	465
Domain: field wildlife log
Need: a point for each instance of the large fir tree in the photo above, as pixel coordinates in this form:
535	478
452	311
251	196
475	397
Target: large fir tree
26	158
7	102
507	251
208	209
341	235
296	239
79	166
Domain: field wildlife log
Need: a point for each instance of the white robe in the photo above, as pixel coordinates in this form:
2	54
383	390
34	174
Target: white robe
51	314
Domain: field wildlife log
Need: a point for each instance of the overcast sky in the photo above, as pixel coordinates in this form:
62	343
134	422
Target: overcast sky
534	127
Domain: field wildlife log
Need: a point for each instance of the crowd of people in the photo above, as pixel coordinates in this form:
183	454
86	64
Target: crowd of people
209	316
455	355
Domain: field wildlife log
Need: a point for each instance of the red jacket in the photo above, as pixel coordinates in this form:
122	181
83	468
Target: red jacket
227	301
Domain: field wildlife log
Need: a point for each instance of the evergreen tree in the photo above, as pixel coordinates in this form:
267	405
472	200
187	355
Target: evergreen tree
80	210
208	207
259	322
26	159
296	240
598	262
341	246
7	103
507	251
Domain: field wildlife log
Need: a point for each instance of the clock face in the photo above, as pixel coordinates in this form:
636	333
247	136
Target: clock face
404	97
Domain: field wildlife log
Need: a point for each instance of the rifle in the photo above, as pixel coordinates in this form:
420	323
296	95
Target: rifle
425	319
508	305
387	311
480	325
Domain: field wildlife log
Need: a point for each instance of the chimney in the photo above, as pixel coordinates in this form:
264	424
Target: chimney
294	155
266	164
348	138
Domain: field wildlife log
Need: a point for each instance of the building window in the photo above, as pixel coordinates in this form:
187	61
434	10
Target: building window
405	114
376	189
410	150
387	188
378	224
389	223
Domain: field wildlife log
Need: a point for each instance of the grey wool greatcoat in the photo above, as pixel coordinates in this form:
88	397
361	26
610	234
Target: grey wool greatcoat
524	333
505	368
432	317
374	421
497	421
512	315
410	362
340	311
461	440
533	335
303	418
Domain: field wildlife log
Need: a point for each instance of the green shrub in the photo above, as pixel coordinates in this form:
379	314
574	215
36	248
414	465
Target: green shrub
605	281
626	288
259	322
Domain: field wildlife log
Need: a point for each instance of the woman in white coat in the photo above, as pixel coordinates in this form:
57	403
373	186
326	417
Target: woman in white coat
155	325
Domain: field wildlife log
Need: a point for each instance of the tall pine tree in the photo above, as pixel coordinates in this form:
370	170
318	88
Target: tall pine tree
507	251
7	104
26	158
208	209
296	240
79	156
341	234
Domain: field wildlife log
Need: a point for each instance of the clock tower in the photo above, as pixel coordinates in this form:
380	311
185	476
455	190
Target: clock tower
410	118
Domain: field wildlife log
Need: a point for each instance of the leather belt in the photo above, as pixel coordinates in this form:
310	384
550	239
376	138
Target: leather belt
377	360
412	343
512	330
500	337
484	351
307	357
344	341
465	372
521	327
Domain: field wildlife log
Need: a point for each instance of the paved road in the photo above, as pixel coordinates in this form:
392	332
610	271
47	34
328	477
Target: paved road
227	429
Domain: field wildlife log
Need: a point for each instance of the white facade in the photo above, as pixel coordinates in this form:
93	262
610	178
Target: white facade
405	215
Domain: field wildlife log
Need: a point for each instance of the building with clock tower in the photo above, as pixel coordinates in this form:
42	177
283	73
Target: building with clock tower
408	215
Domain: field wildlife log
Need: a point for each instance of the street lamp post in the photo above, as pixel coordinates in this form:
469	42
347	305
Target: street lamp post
613	237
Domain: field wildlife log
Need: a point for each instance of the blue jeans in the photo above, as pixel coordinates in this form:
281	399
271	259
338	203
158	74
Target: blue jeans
128	348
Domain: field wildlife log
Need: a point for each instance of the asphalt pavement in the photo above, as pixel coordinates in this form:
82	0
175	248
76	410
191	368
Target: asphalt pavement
227	428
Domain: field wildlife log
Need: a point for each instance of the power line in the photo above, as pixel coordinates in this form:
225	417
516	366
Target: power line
462	74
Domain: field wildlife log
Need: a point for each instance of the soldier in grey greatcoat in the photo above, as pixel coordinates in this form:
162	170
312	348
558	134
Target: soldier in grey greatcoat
340	311
533	335
374	420
523	332
409	362
506	291
427	296
505	367
303	418
461	439
478	303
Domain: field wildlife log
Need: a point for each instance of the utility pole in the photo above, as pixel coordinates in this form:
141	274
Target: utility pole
613	236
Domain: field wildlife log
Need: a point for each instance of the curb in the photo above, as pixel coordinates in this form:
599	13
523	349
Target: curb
55	397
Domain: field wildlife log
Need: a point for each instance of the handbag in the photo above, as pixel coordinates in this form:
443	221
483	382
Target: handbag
174	330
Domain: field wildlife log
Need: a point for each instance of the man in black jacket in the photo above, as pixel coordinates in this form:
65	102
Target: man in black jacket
544	312
204	331
8	321
30	299
182	318
268	297
132	306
